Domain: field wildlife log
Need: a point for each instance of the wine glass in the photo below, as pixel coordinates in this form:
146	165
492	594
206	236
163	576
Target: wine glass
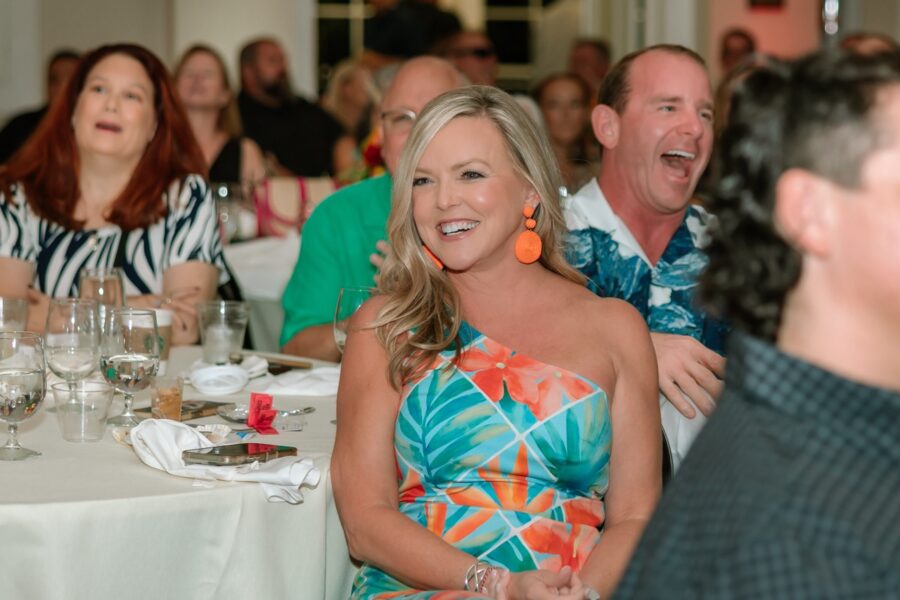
22	370
105	285
72	338
349	301
129	355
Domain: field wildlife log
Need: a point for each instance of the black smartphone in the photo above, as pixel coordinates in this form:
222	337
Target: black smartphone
236	454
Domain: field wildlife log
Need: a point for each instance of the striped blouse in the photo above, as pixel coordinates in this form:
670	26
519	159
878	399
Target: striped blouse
187	232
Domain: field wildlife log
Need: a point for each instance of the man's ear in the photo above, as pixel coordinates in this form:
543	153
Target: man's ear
805	210
605	122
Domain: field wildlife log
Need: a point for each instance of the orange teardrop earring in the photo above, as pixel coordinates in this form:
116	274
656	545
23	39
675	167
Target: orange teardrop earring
528	244
437	262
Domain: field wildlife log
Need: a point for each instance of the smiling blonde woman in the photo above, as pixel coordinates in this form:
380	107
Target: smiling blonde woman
493	413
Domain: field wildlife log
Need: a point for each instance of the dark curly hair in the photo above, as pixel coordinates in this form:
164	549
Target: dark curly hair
817	114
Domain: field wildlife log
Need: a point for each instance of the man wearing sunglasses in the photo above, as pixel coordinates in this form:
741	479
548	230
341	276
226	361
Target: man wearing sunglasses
473	54
344	239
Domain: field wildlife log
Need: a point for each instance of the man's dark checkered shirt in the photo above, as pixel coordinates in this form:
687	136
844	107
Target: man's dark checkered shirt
791	491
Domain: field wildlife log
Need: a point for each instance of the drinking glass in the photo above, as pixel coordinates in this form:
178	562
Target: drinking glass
230	204
349	301
223	324
129	355
22	370
106	286
13	314
81	409
72	338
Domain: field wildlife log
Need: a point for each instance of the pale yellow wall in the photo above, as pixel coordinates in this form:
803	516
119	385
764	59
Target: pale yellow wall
21	60
85	24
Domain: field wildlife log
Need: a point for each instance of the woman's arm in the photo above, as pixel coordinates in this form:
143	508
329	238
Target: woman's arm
15	280
364	472
635	478
184	286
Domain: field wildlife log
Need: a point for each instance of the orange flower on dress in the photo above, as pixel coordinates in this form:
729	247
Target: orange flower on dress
510	489
556	384
584	511
569	546
496	365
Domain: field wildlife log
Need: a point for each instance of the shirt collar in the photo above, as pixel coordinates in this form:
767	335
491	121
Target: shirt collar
765	375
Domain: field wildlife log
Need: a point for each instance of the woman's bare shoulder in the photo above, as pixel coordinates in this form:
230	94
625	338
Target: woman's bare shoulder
610	319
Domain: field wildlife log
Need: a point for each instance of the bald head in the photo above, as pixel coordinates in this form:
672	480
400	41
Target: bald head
416	83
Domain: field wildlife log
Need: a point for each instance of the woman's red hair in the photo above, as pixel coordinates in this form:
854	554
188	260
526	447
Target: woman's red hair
47	165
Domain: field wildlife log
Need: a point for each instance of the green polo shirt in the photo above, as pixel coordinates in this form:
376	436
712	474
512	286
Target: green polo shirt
334	252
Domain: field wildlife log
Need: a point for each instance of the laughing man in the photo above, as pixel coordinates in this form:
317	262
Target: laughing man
636	236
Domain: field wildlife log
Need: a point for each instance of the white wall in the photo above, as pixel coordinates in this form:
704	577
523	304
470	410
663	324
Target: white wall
30	30
21	60
228	24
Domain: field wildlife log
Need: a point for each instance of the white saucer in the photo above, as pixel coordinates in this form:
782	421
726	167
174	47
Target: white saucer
219	381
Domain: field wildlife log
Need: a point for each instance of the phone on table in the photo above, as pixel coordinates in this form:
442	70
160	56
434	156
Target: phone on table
236	454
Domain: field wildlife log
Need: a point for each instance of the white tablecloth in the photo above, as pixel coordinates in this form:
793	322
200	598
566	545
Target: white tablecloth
92	521
263	267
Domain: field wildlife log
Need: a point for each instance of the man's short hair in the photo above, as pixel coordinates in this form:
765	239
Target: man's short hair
820	114
248	52
738	32
616	86
600	46
62	54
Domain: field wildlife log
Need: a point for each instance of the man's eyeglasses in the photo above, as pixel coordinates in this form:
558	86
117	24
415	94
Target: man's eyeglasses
399	120
481	53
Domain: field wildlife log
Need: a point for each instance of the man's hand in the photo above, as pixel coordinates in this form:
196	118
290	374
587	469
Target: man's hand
688	368
382	252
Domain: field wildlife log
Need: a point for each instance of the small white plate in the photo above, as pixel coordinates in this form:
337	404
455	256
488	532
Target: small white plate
219	381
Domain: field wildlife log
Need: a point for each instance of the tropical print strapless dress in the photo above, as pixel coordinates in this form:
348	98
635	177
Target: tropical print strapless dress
504	457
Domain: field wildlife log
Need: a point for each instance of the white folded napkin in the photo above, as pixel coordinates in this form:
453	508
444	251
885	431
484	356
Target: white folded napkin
253	364
321	381
160	442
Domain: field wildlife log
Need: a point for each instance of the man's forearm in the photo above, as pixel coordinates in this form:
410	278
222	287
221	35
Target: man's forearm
316	341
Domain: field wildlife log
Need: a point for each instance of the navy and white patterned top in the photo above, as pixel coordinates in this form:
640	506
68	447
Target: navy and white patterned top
188	231
605	251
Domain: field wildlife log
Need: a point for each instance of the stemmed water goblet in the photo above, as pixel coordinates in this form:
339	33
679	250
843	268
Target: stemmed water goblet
72	338
349	301
106	286
22	386
129	355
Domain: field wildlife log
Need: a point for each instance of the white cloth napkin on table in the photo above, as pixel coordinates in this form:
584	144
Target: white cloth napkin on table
321	381
160	442
255	366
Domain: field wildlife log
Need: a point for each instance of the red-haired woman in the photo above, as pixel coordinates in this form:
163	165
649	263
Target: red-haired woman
112	177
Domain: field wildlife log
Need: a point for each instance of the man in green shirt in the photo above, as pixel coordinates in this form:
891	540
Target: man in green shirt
343	241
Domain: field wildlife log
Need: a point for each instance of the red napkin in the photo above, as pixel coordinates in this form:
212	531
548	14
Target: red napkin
261	414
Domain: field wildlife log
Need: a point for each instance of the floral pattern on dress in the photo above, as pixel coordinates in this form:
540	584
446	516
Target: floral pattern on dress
504	457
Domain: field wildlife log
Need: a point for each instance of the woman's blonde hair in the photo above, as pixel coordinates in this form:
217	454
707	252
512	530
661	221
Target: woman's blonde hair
229	119
421	316
345	71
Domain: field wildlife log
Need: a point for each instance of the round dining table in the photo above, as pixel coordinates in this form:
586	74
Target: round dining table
90	520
